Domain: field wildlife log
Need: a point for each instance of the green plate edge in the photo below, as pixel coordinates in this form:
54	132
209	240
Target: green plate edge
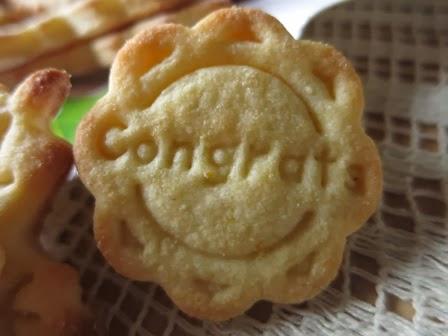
71	113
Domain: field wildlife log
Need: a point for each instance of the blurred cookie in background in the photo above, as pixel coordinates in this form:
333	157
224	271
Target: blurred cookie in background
71	24
92	57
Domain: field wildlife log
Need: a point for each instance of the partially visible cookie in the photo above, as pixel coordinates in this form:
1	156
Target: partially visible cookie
37	5
71	24
38	296
229	163
94	55
13	11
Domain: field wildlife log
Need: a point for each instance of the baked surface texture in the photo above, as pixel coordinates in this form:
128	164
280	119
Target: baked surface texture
38	296
229	163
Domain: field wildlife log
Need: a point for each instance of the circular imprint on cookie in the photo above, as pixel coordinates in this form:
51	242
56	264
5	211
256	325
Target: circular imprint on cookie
233	186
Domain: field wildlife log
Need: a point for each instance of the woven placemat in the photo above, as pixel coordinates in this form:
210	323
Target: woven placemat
394	277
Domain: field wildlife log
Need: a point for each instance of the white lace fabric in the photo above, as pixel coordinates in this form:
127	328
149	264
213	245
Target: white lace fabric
394	277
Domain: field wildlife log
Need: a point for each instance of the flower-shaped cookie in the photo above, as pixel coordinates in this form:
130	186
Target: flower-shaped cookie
38	296
228	163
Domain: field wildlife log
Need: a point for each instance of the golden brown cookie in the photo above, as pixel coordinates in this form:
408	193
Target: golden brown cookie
38	296
229	163
94	55
14	11
72	24
37	5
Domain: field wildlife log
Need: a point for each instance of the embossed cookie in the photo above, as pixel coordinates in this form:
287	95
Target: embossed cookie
38	296
228	163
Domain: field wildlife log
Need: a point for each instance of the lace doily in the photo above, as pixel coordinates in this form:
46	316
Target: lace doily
394	278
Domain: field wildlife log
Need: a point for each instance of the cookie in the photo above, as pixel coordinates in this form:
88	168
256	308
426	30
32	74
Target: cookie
97	54
229	163
72	24
35	7
10	15
12	11
15	11
38	296
38	5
